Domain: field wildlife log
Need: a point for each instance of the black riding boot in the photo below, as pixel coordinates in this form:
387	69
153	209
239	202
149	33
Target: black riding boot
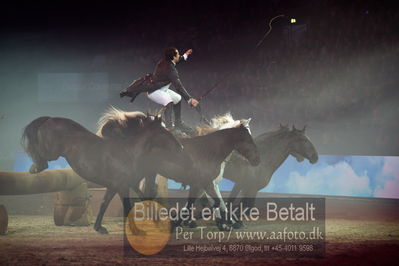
178	122
177	111
167	115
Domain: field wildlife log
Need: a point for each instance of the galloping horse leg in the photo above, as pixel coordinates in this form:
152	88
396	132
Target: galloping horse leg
127	206
205	201
249	196
248	200
34	138
214	192
234	193
139	193
109	195
194	193
232	197
39	164
223	206
150	187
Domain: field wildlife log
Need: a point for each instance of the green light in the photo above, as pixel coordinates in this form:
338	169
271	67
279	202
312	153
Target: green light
293	20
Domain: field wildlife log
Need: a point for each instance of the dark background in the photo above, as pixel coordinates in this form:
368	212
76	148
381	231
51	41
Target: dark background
335	70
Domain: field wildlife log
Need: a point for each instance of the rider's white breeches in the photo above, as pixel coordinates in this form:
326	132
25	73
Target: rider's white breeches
164	96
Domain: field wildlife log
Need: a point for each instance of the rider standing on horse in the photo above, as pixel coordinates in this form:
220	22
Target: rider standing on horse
157	87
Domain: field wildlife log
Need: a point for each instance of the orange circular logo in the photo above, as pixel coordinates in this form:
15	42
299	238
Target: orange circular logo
147	227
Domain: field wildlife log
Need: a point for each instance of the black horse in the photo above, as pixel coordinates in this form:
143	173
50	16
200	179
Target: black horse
116	164
207	152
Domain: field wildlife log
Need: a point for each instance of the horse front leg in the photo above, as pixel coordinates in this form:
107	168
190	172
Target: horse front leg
39	164
127	206
219	207
150	186
205	201
193	195
234	193
109	195
139	193
247	200
249	196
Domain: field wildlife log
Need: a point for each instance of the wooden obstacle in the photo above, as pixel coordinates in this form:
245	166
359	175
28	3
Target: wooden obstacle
23	183
72	205
3	220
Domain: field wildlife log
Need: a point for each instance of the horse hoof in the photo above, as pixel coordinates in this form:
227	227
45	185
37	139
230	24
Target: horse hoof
223	227
102	230
33	169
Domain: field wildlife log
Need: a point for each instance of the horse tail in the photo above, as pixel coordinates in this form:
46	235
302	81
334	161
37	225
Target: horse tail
30	140
113	120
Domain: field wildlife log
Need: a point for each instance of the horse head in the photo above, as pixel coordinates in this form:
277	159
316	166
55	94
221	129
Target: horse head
301	147
246	146
245	123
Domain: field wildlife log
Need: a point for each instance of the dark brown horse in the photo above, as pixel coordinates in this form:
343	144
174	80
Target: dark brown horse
116	164
207	152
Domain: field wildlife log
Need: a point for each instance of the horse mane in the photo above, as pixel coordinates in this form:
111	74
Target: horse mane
265	139
279	131
218	122
122	118
117	115
204	130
